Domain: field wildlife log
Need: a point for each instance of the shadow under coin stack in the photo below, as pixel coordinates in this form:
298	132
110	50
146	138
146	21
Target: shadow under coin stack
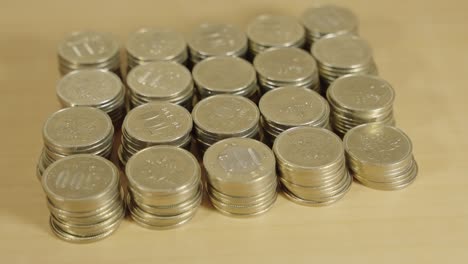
89	50
224	116
164	185
311	164
96	88
280	67
84	198
75	130
380	156
360	99
154	124
241	176
288	107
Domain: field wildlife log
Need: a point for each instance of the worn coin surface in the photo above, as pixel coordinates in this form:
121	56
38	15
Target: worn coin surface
275	31
329	19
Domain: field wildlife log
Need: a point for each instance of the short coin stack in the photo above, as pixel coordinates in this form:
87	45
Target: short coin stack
164	185
156	123
241	177
280	67
360	99
84	198
380	156
311	164
75	130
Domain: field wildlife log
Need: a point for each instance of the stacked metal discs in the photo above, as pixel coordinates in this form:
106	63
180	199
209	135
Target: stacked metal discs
225	75
84	198
342	55
286	67
209	40
162	81
75	130
149	45
95	88
328	20
89	50
274	31
156	123
288	107
224	116
360	99
311	164
164	185
380	156
241	177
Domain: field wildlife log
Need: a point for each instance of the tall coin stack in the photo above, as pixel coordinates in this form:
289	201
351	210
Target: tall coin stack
380	156
156	123
241	176
311	164
96	88
280	67
75	130
360	99
288	107
89	50
84	198
224	116
164	184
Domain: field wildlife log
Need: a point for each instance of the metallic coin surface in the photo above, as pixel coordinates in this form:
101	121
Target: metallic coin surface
275	31
329	19
217	39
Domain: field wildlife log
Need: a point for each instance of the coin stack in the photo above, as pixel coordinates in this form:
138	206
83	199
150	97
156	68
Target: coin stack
164	185
89	50
328	20
311	164
156	123
149	45
274	31
84	198
380	156
291	106
225	75
280	67
224	116
95	88
241	176
162	81
360	99
209	40
75	130
342	55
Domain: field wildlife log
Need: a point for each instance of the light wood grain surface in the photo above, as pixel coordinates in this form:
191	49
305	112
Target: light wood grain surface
421	47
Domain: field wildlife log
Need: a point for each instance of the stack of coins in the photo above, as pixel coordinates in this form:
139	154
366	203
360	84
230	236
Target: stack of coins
162	81
149	45
342	55
209	40
75	130
153	124
360	99
328	20
274	31
164	185
311	164
84	198
95	88
241	176
286	67
225	75
380	156
89	50
224	116
288	107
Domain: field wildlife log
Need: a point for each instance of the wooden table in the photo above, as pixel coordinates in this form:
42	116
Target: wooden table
420	47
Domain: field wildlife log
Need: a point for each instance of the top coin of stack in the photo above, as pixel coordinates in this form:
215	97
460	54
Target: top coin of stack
274	31
89	50
149	45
